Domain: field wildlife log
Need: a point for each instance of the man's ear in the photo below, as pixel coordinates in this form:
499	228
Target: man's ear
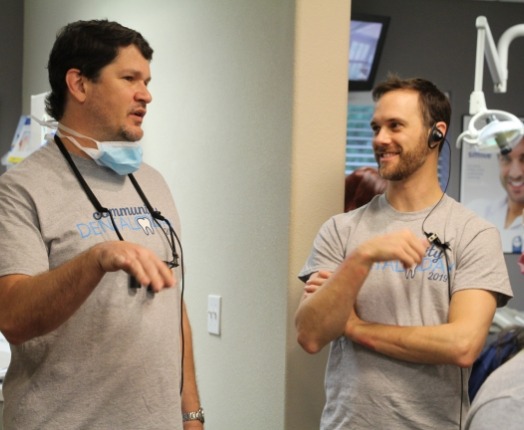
75	82
442	127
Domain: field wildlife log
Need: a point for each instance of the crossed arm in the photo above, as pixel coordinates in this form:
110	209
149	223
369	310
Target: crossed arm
327	312
459	341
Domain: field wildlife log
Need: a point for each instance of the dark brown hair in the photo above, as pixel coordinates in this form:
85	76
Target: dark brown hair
434	105
87	46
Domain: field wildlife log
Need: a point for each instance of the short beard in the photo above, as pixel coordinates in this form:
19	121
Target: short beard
128	136
410	162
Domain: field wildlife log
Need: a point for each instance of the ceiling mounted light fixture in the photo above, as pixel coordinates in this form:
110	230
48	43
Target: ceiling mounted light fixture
492	130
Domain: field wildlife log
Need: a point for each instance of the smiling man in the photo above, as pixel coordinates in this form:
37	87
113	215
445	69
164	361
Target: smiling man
94	316
506	212
403	289
512	180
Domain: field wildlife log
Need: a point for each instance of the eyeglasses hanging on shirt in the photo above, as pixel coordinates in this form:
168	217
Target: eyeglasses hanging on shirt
172	239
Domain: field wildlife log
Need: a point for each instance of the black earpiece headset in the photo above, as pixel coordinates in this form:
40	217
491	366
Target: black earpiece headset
435	137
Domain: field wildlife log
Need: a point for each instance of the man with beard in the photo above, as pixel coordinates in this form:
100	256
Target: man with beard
506	212
405	287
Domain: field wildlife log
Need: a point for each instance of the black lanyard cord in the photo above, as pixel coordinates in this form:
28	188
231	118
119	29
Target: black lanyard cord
172	239
90	195
157	216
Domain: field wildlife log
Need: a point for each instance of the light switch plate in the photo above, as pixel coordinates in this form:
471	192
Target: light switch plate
214	303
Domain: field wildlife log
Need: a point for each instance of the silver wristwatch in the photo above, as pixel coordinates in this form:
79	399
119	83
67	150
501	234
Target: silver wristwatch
192	416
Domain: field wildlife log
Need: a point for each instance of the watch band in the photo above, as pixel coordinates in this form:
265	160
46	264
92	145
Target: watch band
194	416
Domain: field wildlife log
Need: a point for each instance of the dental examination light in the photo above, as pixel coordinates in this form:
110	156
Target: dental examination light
492	130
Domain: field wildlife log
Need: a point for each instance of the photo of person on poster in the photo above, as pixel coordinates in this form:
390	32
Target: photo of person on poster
506	211
492	185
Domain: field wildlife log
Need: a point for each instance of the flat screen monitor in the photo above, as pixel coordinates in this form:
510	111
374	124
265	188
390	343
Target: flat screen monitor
367	35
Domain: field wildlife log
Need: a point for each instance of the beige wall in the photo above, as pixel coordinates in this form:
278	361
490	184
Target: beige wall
319	136
248	127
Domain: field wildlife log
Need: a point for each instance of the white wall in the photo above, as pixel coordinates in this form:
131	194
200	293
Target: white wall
248	127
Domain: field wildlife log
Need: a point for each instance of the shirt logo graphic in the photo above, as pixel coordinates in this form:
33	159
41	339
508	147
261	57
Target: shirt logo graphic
126	219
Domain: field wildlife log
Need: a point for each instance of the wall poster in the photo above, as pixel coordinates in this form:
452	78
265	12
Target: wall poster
492	185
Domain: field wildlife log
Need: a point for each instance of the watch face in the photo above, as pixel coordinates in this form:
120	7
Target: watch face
200	415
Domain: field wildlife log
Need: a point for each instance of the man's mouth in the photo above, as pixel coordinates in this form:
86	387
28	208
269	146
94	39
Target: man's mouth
386	155
515	184
139	114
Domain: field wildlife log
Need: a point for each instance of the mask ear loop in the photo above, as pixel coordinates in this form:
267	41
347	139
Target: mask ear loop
91	152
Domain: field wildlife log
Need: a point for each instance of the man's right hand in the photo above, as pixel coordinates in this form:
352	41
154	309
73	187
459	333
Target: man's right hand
315	281
139	262
401	245
33	306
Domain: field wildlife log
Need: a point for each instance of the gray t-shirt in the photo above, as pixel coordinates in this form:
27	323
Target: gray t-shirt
115	364
500	400
368	390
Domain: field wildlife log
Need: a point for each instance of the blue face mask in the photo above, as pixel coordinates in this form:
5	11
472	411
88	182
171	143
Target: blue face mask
121	157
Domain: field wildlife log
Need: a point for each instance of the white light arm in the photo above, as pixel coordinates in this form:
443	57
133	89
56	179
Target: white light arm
496	56
477	101
503	48
492	130
486	45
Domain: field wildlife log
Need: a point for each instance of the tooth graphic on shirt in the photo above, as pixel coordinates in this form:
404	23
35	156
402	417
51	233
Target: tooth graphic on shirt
145	223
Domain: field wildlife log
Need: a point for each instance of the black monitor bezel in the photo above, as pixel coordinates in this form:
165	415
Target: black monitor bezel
367	85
